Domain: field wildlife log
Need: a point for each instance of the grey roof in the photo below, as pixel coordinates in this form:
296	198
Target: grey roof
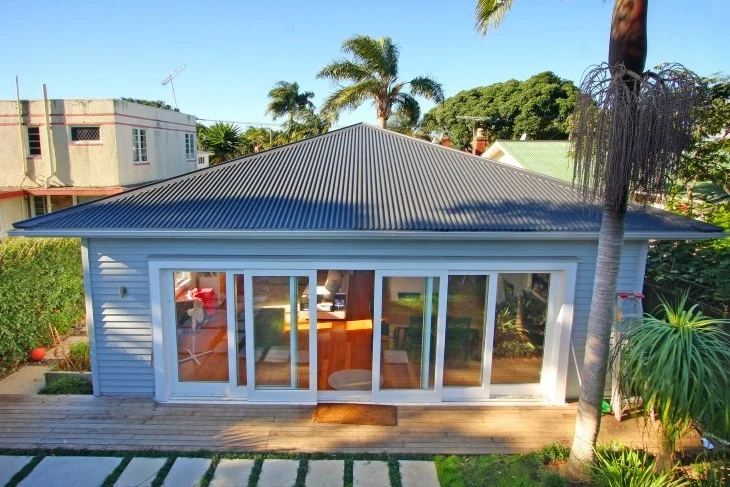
357	178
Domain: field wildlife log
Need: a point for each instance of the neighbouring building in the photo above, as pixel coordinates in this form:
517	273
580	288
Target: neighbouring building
67	152
547	157
360	265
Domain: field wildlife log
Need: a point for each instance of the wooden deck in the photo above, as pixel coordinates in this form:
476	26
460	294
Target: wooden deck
114	423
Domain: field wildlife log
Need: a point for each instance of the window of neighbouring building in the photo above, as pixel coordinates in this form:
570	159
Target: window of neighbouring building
37	205
34	141
85	134
190	146
139	146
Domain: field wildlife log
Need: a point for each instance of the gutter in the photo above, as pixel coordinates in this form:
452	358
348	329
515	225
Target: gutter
355	235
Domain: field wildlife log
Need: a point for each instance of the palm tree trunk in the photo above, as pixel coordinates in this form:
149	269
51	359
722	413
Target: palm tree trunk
382	122
595	361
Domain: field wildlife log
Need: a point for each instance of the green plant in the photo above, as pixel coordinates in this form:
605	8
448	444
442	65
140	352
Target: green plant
624	467
41	284
77	358
679	365
510	339
68	385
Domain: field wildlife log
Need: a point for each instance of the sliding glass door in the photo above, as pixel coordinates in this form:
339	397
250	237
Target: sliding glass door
280	328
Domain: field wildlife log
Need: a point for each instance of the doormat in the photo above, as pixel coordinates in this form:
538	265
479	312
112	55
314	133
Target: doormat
376	415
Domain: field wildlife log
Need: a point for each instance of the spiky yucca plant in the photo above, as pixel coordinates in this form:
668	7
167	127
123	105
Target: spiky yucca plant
679	365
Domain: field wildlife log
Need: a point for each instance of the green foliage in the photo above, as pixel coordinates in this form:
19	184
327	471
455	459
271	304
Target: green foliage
78	358
149	103
713	472
624	467
510	339
372	72
286	100
41	284
68	385
539	106
223	139
679	364
498	470
702	266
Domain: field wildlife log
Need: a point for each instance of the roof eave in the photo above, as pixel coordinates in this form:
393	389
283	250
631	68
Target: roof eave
357	234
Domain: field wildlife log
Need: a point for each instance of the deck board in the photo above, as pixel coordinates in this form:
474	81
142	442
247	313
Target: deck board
120	423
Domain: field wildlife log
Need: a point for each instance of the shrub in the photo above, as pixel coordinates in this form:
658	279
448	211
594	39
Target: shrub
624	467
41	284
68	385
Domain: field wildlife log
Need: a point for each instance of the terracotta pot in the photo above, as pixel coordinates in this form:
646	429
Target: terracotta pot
38	354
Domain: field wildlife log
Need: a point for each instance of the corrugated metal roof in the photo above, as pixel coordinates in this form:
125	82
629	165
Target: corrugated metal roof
357	178
548	157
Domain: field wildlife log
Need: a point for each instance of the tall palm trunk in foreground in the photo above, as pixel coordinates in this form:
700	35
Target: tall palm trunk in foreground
630	129
627	47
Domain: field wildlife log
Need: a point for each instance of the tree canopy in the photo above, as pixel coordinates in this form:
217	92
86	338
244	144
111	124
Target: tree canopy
373	74
539	106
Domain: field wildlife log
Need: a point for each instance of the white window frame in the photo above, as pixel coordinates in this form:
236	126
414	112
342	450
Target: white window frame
552	387
140	151
84	142
190	152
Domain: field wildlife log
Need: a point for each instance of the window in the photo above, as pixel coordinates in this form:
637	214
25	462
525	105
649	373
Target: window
85	134
34	141
190	147
38	206
139	146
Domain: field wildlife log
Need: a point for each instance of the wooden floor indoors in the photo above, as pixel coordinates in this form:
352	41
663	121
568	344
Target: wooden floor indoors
115	423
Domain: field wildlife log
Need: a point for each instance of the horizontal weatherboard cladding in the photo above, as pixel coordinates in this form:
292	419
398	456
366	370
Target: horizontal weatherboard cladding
123	325
359	178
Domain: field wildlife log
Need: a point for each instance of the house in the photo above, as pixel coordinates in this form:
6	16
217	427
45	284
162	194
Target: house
548	157
359	265
203	159
58	154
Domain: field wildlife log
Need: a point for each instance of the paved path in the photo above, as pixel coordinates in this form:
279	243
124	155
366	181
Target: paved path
92	471
26	380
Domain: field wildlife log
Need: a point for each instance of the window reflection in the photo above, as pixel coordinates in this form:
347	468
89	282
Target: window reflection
201	325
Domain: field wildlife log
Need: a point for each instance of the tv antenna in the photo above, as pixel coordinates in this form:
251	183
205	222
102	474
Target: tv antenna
169	80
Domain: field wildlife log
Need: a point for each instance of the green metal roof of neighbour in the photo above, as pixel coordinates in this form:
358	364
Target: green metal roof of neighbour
548	157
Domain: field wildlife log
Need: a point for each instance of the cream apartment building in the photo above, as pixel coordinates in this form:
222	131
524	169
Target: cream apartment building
65	152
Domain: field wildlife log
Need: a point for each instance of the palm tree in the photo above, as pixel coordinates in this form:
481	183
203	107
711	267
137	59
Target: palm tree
286	100
373	71
310	124
630	129
223	139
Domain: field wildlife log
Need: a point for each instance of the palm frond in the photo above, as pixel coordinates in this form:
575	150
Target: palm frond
490	13
347	98
345	70
427	88
407	107
379	55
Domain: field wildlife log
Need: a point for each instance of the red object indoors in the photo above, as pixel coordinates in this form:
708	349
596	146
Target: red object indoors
38	354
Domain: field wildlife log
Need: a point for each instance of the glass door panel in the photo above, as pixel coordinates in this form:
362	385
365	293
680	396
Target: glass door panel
465	330
344	331
409	318
280	333
519	333
201	326
240	314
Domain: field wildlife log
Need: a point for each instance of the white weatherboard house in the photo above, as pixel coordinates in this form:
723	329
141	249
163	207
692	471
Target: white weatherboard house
360	265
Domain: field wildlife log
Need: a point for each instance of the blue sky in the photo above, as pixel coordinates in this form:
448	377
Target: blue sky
235	51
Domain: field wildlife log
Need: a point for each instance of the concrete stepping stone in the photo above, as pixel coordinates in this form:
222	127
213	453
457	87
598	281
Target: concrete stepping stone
76	471
10	465
366	473
186	472
232	473
27	380
278	473
418	474
325	473
140	472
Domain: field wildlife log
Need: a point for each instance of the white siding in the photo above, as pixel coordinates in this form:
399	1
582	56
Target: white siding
123	325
